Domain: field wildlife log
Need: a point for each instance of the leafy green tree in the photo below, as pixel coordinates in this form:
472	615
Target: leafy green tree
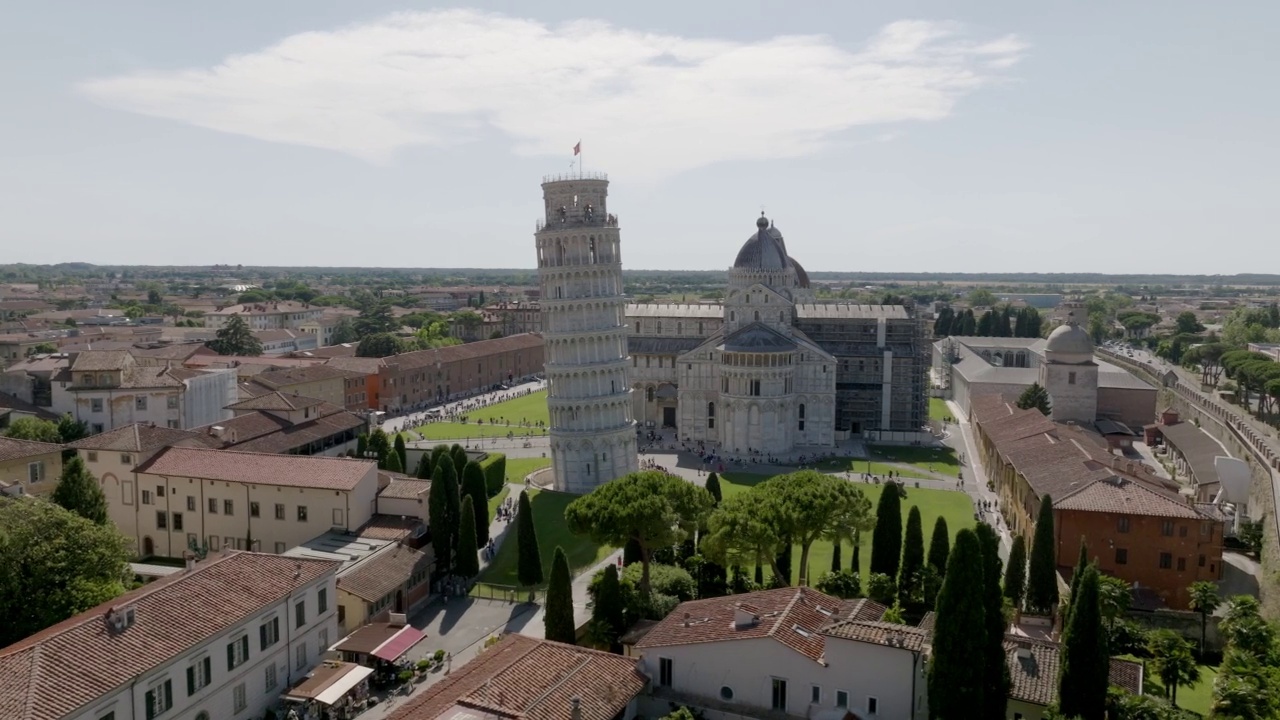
957	672
982	297
1085	664
1173	662
380	445
467	557
939	546
344	332
70	429
996	678
56	564
35	429
1036	397
473	487
912	557
1187	322
806	506
436	452
235	338
378	345
1042	577
739	535
403	452
882	589
423	471
653	508
608	607
1015	575
713	487
393	463
528	557
459	456
1204	599
1114	597
886	537
843	584
444	512
80	493
375	319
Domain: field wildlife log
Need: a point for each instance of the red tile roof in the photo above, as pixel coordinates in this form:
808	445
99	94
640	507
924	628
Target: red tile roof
278	401
65	667
375	577
260	468
466	351
13	449
142	438
531	679
1033	670
1120	496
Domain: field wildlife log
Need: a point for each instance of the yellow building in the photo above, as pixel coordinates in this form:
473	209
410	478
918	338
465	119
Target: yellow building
29	467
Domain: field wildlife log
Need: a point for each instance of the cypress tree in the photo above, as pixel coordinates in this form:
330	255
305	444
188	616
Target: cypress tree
438	452
886	538
458	455
1083	676
467	557
362	445
608	610
1042	578
856	564
713	487
958	670
940	546
528	558
1015	575
1082	562
473	487
835	556
393	463
78	492
912	556
996	679
443	513
403	452
557	617
423	471
495	473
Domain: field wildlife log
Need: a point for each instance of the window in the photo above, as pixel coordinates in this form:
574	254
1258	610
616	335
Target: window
842	698
755	387
302	513
1201	561
213	506
177	521
172	402
35	471
93	457
1122	524
873	705
1071	378
125	458
191	503
1166	561
159	699
300	655
109	716
1182	564
268	633
228	507
126	492
815	695
95	405
253	509
711	416
300	612
1166	528
162	520
213	542
800	423
324	639
1182	531
726	692
198	675
159	491
664	672
322	600
237	694
146	497
779	696
97	428
237	652
140	402
279	511
1122	556
270	679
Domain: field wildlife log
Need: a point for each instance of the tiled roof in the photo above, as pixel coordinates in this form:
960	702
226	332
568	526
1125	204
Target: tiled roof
95	360
142	438
405	489
531	679
284	306
389	527
1033	670
278	401
282	377
878	633
61	669
1198	448
1120	496
363	365
466	351
706	311
12	449
862	609
845	311
381	574
17	404
259	468
142	376
176	351
792	615
264	431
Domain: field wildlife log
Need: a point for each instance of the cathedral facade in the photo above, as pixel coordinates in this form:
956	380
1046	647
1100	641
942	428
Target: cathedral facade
772	370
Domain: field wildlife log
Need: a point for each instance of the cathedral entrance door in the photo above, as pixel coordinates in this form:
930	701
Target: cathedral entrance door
668	417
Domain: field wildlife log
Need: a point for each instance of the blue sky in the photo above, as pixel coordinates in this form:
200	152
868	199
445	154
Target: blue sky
905	136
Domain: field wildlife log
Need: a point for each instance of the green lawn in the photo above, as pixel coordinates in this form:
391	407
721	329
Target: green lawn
517	468
940	461
955	506
1196	698
496	500
548	521
531	409
938	410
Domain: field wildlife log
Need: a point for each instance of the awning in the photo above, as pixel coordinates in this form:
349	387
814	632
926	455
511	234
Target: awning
398	644
343	685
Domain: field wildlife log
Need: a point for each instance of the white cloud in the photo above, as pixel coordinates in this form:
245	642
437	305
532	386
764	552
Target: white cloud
645	104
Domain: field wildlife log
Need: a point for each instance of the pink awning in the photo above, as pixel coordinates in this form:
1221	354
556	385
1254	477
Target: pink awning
399	644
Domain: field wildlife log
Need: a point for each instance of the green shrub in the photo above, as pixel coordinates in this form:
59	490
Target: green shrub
495	472
664	580
844	584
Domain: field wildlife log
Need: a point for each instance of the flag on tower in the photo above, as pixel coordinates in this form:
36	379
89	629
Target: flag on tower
577	149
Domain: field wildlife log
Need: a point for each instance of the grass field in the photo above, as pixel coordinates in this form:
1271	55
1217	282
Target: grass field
531	408
955	506
941	461
938	410
548	521
1197	698
517	468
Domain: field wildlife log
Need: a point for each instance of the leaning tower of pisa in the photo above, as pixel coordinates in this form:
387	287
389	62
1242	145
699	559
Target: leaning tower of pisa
593	433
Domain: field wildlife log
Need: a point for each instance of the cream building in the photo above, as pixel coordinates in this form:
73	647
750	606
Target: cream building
224	639
284	315
28	467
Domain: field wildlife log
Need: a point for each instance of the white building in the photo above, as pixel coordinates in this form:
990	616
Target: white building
788	652
282	315
593	431
221	640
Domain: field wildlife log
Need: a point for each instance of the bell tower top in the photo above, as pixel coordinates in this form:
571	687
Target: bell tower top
576	199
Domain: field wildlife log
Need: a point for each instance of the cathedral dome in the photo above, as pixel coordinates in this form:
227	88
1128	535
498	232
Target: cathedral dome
1069	343
764	250
802	277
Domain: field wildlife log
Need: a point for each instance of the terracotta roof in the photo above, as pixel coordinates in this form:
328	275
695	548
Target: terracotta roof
791	615
17	404
282	377
176	351
363	365
862	609
142	438
405	489
1033	670
144	376
388	527
278	401
368	638
531	679
381	574
13	449
61	669
95	360
266	308
259	468
1125	497
266	432
466	351
878	633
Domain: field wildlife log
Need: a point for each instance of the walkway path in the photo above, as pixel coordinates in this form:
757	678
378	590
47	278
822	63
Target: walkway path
975	477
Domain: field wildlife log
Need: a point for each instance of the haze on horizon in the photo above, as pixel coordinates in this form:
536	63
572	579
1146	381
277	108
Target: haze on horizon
917	137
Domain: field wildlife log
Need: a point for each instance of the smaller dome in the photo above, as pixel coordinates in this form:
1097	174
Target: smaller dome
1069	343
763	222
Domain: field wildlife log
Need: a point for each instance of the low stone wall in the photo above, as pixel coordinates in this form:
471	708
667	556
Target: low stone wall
1185	623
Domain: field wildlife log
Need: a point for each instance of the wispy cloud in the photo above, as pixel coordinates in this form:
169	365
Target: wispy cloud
645	104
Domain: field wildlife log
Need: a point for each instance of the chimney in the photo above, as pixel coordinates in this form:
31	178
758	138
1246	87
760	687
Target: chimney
190	559
575	708
686	619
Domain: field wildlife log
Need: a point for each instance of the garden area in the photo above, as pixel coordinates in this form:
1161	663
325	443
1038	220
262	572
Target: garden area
548	521
518	416
911	461
938	410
